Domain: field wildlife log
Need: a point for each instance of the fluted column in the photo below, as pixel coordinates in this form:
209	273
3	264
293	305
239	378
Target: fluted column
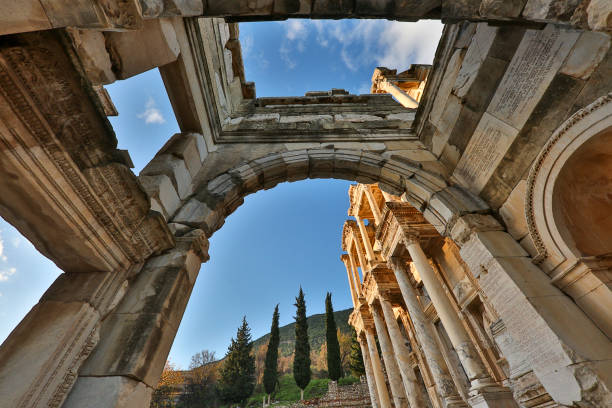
366	240
470	360
402	356
388	353
349	274
369	371
425	336
381	384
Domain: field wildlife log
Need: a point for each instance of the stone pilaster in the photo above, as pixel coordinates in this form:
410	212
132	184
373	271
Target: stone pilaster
402	356
388	353
381	384
425	336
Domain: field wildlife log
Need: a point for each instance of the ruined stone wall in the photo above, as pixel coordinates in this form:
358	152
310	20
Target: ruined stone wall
350	396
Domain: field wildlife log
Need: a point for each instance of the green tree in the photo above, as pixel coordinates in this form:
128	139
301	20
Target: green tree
270	377
301	362
334	363
237	380
200	385
356	358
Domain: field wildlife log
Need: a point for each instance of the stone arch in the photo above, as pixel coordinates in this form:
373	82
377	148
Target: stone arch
217	197
568	219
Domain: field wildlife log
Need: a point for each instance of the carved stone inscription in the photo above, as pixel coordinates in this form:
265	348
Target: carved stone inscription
537	60
490	141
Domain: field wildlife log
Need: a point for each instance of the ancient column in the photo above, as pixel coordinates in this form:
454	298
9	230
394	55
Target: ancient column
388	353
423	331
475	370
366	239
345	260
360	254
355	273
369	371
402	355
373	206
401	96
381	384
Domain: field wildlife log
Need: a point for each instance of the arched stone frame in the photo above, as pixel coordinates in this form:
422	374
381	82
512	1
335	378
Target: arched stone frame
581	276
157	297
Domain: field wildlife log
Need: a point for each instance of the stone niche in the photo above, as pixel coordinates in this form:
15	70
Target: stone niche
569	207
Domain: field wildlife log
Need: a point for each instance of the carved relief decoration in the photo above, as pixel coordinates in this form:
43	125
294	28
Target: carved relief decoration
55	104
552	251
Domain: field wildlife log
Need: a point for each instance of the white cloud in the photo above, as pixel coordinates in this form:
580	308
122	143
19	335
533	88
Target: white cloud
350	64
408	43
285	54
152	114
5	274
321	36
393	44
296	30
246	44
296	34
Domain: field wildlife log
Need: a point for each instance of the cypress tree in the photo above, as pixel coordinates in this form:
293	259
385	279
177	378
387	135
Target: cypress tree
301	362
355	357
237	380
334	362
270	376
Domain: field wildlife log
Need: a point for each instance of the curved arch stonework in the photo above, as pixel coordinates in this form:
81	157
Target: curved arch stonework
215	199
553	251
582	276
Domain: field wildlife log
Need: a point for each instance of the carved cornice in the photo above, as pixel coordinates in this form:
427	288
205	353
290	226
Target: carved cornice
401	222
57	107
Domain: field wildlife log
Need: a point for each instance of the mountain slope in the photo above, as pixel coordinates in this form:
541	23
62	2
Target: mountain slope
316	332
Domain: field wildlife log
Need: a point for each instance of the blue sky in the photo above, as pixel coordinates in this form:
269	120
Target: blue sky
278	239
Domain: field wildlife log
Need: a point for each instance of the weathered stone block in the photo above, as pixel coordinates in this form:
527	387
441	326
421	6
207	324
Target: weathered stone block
333	7
374	7
132	345
108	392
90	46
600	15
501	8
138	51
513	212
183	8
53	334
197	214
453	201
174	168
160	187
588	52
185	146
102	290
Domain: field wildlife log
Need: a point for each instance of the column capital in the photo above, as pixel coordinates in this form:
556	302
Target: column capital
395	262
411	237
384	295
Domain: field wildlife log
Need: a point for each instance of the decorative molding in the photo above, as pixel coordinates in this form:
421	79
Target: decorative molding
575	121
52	101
